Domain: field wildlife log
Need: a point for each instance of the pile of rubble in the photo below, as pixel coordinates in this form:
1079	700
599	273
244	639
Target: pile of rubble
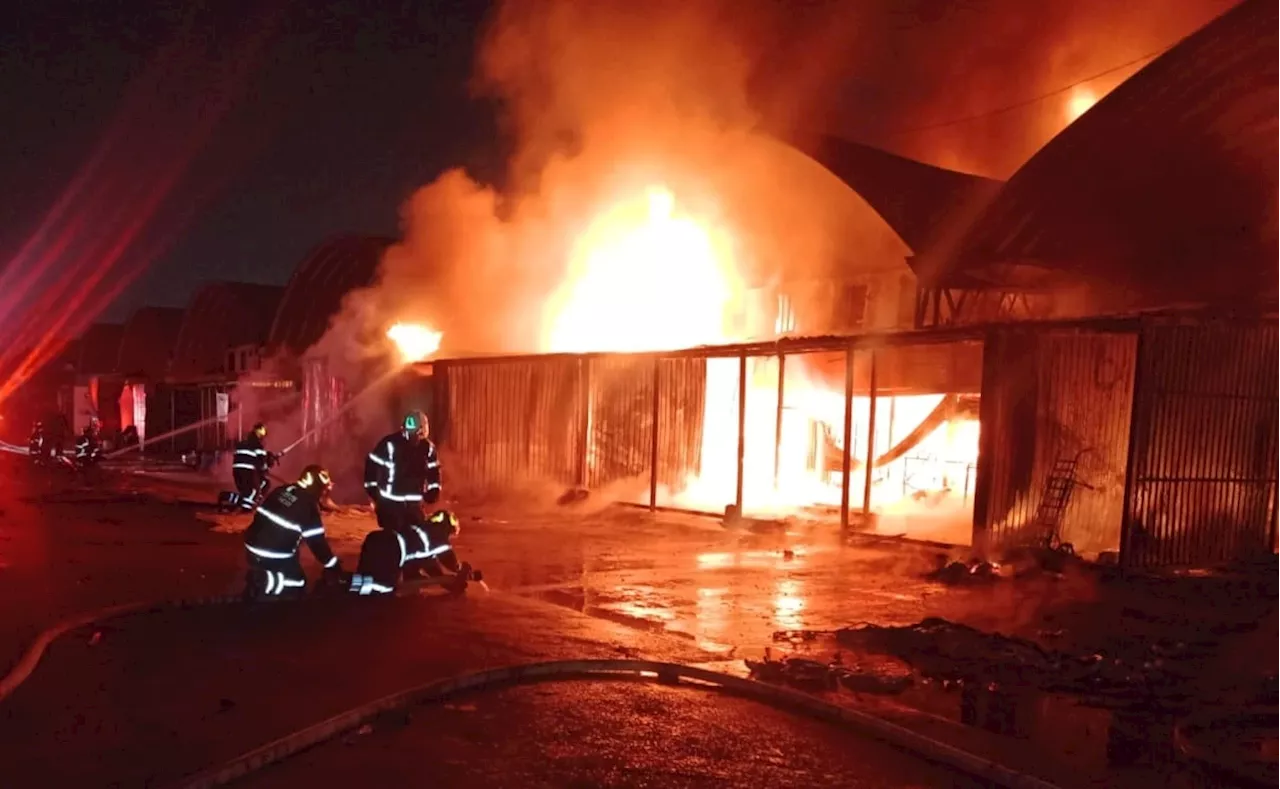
816	677
955	653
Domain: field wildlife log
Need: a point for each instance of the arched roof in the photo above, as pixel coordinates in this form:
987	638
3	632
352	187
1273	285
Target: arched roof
98	350
1163	193
319	283
147	342
222	315
919	201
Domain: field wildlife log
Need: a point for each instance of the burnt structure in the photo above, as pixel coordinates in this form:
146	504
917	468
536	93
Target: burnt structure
1162	194
220	317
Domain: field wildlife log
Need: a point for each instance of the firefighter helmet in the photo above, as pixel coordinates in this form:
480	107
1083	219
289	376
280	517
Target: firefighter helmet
415	424
260	430
315	477
445	516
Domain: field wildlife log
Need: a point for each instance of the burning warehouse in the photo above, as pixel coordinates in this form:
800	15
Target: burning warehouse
1151	434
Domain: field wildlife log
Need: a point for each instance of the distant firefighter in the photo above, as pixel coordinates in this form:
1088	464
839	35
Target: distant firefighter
401	473
249	467
37	445
288	516
89	445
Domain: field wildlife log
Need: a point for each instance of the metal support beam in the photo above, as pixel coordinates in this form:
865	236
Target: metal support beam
583	461
777	423
871	443
653	439
1138	418
742	427
848	438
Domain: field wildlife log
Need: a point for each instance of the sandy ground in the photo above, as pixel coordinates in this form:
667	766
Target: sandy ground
152	697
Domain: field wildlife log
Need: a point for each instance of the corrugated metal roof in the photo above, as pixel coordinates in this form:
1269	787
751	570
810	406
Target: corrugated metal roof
319	283
222	315
1164	192
147	342
919	201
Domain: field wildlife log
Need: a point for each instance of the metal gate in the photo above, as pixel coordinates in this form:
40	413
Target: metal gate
1202	461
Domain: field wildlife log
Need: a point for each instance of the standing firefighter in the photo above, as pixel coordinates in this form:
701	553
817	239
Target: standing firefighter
88	445
400	474
286	517
249	467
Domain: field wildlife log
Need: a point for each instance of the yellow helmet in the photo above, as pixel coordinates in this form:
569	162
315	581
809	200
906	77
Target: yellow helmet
315	477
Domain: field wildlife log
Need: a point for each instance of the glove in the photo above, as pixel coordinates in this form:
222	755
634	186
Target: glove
375	495
272	459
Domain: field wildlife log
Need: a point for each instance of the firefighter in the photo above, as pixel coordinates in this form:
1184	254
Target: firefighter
88	445
249	467
36	445
385	554
285	518
401	473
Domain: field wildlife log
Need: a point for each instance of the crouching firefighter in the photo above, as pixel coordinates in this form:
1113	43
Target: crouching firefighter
401	474
249	467
285	518
386	553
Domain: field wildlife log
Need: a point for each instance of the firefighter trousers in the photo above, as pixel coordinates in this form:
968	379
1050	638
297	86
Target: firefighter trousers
274	577
250	485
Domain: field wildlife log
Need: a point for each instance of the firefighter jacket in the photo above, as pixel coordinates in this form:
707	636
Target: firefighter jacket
87	447
283	520
36	443
251	455
402	470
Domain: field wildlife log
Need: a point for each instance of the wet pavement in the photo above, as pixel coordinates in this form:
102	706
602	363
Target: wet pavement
568	582
606	733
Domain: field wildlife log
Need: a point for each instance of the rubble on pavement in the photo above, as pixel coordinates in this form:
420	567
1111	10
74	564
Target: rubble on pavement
815	676
1148	671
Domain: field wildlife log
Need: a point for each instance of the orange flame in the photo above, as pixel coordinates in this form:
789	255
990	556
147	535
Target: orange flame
414	341
646	277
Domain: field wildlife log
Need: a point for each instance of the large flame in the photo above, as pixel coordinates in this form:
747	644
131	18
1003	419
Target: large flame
414	341
646	277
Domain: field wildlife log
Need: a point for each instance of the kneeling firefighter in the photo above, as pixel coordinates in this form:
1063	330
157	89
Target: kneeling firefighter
288	516
401	474
386	553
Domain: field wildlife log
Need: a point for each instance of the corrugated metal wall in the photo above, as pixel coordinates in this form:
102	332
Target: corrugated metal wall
682	388
1203	474
515	421
1045	397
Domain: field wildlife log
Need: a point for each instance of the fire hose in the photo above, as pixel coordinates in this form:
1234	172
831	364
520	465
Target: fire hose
671	673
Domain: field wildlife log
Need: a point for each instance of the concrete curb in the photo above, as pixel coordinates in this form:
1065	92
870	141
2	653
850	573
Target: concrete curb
883	730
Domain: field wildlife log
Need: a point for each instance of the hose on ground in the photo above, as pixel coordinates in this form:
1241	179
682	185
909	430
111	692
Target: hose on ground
289	745
30	658
670	673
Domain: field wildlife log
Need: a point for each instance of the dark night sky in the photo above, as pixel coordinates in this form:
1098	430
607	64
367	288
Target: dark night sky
349	106
353	106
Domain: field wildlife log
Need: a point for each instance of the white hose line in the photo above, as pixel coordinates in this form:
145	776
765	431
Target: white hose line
890	733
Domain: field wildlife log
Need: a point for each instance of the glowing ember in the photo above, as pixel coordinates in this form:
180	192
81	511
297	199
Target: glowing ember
414	341
644	277
1079	102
